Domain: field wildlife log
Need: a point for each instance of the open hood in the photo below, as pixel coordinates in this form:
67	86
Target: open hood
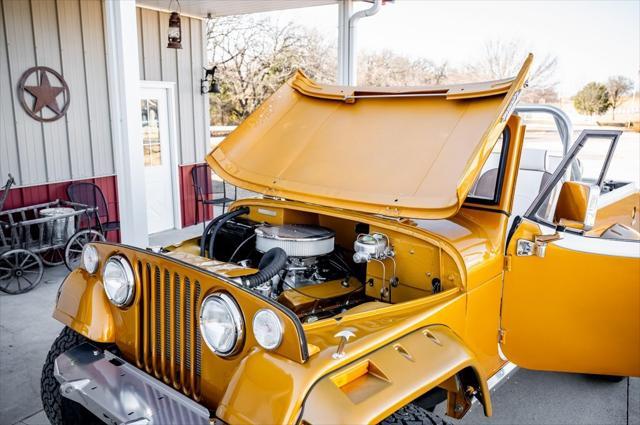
401	152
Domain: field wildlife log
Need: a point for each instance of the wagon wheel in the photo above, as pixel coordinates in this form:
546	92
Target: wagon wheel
53	256
20	271
73	248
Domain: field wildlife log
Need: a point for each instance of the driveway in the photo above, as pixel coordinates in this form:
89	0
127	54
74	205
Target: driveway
528	397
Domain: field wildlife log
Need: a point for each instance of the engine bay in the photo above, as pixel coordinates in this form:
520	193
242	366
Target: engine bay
320	266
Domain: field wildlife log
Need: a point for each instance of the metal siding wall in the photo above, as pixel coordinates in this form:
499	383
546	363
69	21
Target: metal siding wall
184	67
9	159
21	56
198	99
67	36
169	70
185	96
150	45
140	42
47	45
73	68
97	90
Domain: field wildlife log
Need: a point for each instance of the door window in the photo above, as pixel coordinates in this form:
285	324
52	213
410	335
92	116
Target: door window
151	132
588	162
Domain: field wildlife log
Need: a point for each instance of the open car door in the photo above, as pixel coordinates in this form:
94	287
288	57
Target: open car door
571	301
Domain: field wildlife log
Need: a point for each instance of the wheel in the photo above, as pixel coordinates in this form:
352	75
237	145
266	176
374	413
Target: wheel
60	410
53	256
73	248
412	414
20	271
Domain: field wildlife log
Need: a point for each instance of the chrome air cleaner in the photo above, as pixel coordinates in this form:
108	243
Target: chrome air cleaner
297	240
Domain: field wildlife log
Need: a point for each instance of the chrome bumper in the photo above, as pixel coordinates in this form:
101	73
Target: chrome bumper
119	393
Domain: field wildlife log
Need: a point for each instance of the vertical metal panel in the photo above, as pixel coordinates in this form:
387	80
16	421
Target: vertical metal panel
185	95
197	62
9	160
47	48
151	45
73	67
168	57
21	56
140	37
169	68
97	90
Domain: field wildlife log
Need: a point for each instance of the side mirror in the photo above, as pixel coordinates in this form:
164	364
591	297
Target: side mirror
577	205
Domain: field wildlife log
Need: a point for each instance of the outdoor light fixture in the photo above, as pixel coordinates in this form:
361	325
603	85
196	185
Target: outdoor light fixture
209	84
175	29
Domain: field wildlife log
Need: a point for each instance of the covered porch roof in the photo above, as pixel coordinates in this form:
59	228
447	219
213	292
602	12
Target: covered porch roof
202	8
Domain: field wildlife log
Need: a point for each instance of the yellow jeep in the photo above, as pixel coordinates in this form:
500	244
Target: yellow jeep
405	250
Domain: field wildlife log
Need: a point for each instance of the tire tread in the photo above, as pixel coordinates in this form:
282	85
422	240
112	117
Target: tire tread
412	414
61	411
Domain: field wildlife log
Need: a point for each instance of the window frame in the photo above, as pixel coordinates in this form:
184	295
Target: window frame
502	170
561	170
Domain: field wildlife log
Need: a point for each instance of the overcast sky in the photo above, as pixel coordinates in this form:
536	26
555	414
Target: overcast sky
591	39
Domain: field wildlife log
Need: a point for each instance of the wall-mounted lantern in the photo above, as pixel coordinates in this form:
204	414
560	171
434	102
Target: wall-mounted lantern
209	84
175	29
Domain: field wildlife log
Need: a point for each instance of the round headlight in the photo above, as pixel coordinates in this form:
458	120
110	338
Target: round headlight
221	324
90	258
117	277
267	329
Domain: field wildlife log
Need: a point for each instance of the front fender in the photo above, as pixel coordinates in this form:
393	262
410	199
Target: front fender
83	306
371	388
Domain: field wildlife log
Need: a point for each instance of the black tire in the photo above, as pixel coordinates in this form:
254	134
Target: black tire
609	378
412	414
60	410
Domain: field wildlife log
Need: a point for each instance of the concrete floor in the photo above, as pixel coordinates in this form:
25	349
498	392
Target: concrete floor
528	397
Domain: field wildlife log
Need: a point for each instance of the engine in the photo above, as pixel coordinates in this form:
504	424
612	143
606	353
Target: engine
300	265
303	244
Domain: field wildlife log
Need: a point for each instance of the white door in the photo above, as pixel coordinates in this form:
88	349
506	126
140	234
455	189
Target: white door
156	142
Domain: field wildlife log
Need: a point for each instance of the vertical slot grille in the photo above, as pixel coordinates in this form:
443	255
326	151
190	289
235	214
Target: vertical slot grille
168	335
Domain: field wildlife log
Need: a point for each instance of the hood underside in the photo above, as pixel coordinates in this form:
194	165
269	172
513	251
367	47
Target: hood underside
402	152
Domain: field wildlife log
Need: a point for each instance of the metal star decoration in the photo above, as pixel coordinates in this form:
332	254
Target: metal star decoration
45	95
54	99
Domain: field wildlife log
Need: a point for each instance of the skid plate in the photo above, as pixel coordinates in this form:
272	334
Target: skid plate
119	393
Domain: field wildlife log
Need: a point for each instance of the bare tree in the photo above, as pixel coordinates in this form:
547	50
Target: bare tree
503	59
256	56
618	87
387	68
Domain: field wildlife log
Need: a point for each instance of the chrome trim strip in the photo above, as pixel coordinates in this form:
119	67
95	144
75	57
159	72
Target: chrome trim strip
501	375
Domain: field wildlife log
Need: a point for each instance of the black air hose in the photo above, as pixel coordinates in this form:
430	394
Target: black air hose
217	223
271	263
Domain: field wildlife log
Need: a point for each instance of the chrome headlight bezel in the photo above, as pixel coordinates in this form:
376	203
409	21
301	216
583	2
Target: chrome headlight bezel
129	281
276	325
87	262
237	322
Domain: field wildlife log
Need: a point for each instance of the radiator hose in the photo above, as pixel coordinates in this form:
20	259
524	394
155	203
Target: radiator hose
216	224
271	263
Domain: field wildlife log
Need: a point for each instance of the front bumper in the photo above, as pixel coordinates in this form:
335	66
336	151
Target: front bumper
119	393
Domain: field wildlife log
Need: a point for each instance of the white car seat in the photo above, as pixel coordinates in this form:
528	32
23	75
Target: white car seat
532	176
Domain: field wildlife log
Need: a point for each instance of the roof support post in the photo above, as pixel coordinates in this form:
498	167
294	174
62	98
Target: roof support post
345	9
347	54
124	103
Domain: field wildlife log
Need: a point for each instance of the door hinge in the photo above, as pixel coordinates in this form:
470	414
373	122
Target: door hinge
507	263
501	335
